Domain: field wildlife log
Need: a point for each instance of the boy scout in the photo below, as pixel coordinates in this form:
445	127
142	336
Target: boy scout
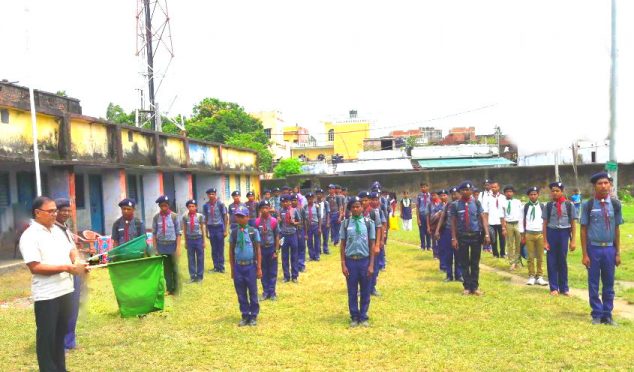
312	215
533	237
252	205
194	229
288	221
167	237
270	246
217	222
245	258
468	220
357	262
422	200
558	228
301	234
601	217
325	221
233	207
126	227
512	225
443	235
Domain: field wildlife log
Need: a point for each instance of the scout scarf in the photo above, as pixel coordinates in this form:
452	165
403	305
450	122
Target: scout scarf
406	202
310	212
604	211
164	218
357	224
191	221
559	202
126	230
241	237
532	205
466	213
508	206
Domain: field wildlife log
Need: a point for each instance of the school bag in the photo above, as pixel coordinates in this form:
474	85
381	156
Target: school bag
549	209
616	204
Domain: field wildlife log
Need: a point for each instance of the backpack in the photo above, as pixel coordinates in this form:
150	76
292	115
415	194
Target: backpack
549	209
251	230
346	223
616	204
526	212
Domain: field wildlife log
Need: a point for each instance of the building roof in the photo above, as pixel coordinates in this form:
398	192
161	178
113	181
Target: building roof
375	165
464	163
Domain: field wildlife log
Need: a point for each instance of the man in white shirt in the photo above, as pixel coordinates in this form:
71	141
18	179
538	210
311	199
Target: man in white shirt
512	225
533	237
50	257
493	208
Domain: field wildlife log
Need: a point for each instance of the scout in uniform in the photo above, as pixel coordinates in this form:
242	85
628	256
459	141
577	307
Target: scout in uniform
601	217
512	226
341	202
325	221
288	221
252	205
336	211
468	220
375	204
406	211
275	202
245	258
533	237
493	208
167	237
422	200
374	215
233	207
217	222
311	215
126	227
194	230
270	246
432	214
443	235
301	235
558	229
357	262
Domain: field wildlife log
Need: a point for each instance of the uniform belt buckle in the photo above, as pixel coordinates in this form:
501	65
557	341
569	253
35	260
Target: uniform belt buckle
245	263
356	257
602	244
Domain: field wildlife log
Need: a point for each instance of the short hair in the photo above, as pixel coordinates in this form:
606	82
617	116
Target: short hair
423	184
39	202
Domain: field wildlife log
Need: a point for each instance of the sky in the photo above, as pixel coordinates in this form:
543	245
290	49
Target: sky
538	69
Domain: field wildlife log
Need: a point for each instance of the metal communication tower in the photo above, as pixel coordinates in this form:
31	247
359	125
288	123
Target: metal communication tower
153	44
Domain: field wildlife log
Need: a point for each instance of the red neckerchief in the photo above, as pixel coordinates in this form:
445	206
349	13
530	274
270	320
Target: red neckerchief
263	221
126	233
496	199
191	221
288	215
164	217
212	207
559	202
604	211
466	214
310	212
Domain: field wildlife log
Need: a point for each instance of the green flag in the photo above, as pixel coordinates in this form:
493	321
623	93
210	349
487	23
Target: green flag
133	249
139	285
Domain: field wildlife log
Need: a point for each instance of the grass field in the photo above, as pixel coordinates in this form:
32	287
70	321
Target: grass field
419	323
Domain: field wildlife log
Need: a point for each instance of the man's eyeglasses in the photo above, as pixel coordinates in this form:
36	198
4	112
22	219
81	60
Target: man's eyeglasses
49	211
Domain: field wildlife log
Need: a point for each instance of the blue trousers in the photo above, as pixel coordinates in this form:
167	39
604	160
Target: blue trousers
469	251
269	271
170	266
314	242
195	257
217	240
448	256
557	259
246	284
377	267
602	266
335	225
69	340
301	249
325	231
359	284
290	261
425	238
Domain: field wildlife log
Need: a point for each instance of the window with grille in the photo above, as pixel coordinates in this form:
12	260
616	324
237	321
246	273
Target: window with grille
5	196
331	135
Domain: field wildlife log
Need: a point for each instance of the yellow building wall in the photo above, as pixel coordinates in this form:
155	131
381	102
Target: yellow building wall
348	137
142	142
88	140
312	153
271	120
236	159
16	138
175	150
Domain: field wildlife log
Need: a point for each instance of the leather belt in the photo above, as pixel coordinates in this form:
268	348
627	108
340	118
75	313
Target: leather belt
356	257
245	263
602	244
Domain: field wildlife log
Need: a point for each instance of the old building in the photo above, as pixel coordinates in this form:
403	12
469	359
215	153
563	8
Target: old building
96	163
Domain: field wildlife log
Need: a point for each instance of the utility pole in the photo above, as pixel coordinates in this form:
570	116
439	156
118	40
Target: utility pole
612	166
150	61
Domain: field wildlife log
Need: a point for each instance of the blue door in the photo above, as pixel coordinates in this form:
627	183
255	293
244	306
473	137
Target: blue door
96	203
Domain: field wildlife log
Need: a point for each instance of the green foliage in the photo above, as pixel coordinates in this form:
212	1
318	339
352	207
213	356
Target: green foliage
116	114
625	194
410	141
265	157
286	167
217	121
61	93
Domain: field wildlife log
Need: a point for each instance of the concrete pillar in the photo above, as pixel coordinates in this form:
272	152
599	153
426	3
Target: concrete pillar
182	188
114	190
152	189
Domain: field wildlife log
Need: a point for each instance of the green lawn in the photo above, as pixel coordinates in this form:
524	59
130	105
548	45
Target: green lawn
419	323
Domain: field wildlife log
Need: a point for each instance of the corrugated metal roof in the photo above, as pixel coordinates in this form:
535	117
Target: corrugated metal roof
375	165
464	163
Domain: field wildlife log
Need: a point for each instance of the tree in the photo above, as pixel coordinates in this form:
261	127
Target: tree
115	114
61	93
286	167
265	157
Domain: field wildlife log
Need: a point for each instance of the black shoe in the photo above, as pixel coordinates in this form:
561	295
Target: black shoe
294	280
286	280
192	280
447	280
375	293
302	270
461	280
211	271
243	322
610	322
273	298
253	322
596	321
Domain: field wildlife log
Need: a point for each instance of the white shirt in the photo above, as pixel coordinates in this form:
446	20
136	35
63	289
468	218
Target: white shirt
49	247
516	213
535	224
493	207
